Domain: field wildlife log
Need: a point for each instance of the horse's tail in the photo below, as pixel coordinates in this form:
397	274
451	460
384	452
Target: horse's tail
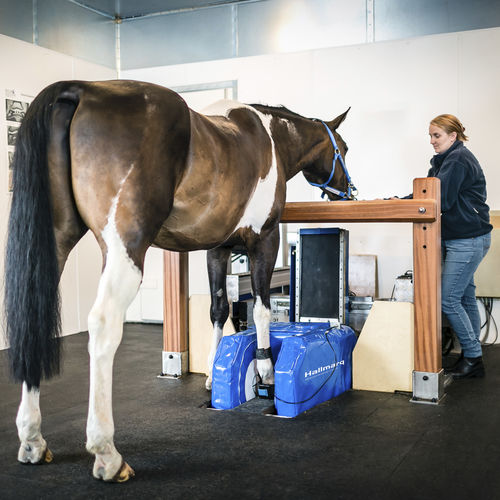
32	306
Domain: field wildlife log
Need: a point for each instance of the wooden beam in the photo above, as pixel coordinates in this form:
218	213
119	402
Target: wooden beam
175	302
427	282
421	210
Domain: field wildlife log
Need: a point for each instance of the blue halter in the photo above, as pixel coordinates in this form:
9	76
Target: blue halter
351	192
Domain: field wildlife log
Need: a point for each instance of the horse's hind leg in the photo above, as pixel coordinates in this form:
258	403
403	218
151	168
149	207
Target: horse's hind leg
117	288
217	259
68	229
33	447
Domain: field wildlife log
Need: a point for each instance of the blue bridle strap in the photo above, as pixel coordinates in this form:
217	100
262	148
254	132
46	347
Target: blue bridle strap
351	189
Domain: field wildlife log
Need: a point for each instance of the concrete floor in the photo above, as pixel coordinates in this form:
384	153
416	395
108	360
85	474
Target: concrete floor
361	445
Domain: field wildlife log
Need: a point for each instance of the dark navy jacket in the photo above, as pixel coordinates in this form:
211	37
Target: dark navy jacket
464	212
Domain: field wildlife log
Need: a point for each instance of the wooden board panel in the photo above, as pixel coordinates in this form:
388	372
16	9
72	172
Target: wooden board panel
383	357
200	332
363	275
487	276
361	211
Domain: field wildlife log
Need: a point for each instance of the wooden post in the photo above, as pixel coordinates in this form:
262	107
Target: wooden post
175	313
427	282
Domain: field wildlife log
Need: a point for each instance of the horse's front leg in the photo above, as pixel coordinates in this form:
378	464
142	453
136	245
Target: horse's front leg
262	259
217	259
117	288
33	447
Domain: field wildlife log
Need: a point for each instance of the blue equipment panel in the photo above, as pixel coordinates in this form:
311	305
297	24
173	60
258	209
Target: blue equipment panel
234	372
313	368
314	364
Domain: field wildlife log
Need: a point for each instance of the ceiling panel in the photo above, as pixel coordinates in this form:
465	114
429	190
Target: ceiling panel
132	8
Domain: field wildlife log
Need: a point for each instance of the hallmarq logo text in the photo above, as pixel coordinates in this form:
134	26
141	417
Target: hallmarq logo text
322	369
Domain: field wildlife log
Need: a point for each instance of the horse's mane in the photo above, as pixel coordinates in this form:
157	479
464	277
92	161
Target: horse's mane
279	111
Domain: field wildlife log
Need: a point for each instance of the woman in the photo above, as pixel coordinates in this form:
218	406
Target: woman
465	233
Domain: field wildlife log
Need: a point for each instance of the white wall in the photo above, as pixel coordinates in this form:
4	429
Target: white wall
394	89
28	69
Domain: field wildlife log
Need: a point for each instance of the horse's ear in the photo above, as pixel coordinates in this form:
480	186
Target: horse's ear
335	123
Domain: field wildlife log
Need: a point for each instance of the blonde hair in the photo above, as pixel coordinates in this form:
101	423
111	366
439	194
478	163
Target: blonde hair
450	123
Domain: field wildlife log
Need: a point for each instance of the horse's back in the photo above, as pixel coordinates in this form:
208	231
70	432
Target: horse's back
184	180
230	156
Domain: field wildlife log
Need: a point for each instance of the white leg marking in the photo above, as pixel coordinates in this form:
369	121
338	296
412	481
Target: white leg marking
216	336
118	286
262	318
29	423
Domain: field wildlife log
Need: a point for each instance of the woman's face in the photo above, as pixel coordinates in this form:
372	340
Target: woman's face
440	140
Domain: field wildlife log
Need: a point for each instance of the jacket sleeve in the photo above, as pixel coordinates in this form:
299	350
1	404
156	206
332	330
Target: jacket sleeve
452	175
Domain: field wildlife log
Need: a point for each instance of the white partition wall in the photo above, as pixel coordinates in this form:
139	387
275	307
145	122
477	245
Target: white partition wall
394	88
27	69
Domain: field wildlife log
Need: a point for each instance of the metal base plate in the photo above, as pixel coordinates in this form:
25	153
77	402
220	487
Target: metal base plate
428	387
174	364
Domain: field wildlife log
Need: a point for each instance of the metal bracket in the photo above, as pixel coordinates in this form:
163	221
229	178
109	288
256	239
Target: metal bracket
428	387
174	364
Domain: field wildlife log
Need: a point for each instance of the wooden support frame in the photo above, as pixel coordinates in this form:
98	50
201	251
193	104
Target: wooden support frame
424	211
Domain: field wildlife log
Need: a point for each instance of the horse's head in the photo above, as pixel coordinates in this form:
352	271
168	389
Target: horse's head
326	166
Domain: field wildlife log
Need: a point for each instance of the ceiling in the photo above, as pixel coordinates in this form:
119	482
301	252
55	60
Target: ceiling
131	8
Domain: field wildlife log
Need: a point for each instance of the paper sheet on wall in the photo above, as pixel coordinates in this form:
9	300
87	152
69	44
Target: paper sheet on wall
16	106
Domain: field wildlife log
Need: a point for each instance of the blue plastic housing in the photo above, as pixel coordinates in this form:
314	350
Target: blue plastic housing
234	370
313	368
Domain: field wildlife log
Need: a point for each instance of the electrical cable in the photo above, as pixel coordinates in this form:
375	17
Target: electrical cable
326	380
488	303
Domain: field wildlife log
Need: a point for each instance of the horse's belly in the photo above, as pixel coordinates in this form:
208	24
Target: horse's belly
183	233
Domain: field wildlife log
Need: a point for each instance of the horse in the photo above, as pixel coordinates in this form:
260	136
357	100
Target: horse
131	162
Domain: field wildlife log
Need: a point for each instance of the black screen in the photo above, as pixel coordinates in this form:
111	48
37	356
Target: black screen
319	286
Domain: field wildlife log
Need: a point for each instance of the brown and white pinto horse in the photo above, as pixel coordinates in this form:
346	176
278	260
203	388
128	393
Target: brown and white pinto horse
132	163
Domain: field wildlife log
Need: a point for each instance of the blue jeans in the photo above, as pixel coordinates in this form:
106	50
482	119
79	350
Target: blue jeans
461	258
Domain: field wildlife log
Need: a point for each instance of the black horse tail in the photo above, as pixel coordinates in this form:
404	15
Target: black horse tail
32	305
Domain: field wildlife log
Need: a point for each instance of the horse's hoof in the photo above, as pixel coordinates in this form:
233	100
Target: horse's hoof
48	457
208	384
29	455
124	474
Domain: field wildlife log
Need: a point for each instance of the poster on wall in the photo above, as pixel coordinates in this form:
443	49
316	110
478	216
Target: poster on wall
16	105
